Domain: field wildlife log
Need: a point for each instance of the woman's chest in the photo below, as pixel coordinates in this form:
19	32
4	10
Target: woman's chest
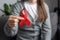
32	10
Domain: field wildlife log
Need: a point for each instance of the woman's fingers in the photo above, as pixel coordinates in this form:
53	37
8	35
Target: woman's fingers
13	20
20	18
12	24
16	17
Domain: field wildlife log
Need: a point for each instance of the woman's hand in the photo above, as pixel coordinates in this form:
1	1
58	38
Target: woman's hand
12	20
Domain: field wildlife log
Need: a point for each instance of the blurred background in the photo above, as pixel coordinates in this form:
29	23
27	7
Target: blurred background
54	8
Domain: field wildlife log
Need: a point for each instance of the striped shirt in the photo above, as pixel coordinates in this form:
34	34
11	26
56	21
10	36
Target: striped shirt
33	32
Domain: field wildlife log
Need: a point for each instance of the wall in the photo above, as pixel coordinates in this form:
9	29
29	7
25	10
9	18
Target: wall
52	4
59	3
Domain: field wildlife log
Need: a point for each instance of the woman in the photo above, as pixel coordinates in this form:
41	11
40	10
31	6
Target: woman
38	15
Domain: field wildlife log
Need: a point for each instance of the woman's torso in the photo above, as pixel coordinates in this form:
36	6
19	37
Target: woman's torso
32	32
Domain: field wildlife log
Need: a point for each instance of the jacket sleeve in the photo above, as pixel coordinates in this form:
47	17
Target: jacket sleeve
12	31
46	29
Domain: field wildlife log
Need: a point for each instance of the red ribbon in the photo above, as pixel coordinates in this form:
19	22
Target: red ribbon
24	14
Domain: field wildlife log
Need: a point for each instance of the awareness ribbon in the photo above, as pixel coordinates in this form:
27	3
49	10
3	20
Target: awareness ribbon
24	14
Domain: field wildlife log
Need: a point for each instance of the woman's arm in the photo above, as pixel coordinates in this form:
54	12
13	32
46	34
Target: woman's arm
13	30
46	29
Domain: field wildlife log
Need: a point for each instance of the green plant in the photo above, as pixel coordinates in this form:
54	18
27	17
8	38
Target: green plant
8	9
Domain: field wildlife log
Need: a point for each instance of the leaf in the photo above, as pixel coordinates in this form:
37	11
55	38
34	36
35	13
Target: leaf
8	9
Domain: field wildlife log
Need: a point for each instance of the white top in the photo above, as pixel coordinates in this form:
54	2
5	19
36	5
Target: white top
31	8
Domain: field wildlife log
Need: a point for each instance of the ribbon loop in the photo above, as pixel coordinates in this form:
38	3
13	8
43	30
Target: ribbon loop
24	14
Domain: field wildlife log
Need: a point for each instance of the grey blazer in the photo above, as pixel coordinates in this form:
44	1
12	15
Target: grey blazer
33	32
